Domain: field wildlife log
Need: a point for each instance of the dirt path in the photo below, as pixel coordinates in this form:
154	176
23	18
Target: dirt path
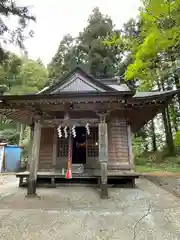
166	180
170	183
145	213
162	174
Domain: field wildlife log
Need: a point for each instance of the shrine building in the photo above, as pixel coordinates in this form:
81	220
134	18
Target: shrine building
82	127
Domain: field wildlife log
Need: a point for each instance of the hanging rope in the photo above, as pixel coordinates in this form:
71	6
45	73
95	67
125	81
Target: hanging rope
69	172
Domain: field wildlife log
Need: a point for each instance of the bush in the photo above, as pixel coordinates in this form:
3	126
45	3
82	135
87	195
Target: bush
24	162
151	158
177	139
24	155
140	160
11	135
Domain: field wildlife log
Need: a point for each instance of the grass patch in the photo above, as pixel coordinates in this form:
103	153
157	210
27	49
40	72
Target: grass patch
158	168
170	164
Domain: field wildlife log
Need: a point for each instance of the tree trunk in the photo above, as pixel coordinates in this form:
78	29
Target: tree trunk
176	78
170	136
167	124
177	83
154	144
165	127
173	117
18	127
22	128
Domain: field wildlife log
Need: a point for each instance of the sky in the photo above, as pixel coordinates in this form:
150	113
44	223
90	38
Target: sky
55	18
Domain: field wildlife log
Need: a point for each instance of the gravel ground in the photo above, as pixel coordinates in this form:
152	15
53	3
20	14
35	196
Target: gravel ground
65	213
8	185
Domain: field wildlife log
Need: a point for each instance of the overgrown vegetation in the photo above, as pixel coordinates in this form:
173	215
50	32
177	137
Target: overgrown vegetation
154	161
153	46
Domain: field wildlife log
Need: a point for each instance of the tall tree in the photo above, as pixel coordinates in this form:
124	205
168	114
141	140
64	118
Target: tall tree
63	62
88	50
101	59
158	52
154	49
9	9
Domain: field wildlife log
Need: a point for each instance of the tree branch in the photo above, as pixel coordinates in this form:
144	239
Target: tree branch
22	12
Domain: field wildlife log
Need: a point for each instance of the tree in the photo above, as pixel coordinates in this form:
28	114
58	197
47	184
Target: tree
63	62
101	59
152	43
160	30
7	34
31	78
20	75
88	50
154	61
126	41
9	70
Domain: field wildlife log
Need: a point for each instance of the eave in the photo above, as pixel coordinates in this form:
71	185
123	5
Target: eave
138	110
150	106
65	95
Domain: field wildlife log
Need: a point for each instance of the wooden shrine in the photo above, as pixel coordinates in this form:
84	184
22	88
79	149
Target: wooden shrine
83	125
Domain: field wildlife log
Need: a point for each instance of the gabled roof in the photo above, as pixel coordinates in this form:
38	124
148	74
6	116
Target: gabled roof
77	81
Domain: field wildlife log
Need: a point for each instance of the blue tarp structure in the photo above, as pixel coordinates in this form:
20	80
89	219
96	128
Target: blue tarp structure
12	157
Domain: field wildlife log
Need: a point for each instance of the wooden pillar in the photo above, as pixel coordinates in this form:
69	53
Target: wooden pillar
103	155
31	190
30	146
130	150
131	157
54	155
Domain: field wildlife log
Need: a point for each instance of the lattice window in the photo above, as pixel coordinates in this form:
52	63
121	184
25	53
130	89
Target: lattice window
93	148
62	147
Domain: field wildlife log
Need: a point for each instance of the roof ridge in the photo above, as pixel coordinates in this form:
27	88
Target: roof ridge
82	72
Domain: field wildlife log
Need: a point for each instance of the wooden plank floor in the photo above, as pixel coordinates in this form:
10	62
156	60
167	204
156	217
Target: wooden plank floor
94	174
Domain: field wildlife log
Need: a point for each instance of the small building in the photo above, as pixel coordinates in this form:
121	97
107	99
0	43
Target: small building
84	125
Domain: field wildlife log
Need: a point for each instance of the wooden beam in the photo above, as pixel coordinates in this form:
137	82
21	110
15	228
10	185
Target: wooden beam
59	99
103	154
31	190
16	115
83	106
76	122
52	125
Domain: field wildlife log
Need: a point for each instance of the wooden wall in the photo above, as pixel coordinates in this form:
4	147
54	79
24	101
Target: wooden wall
46	149
117	142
